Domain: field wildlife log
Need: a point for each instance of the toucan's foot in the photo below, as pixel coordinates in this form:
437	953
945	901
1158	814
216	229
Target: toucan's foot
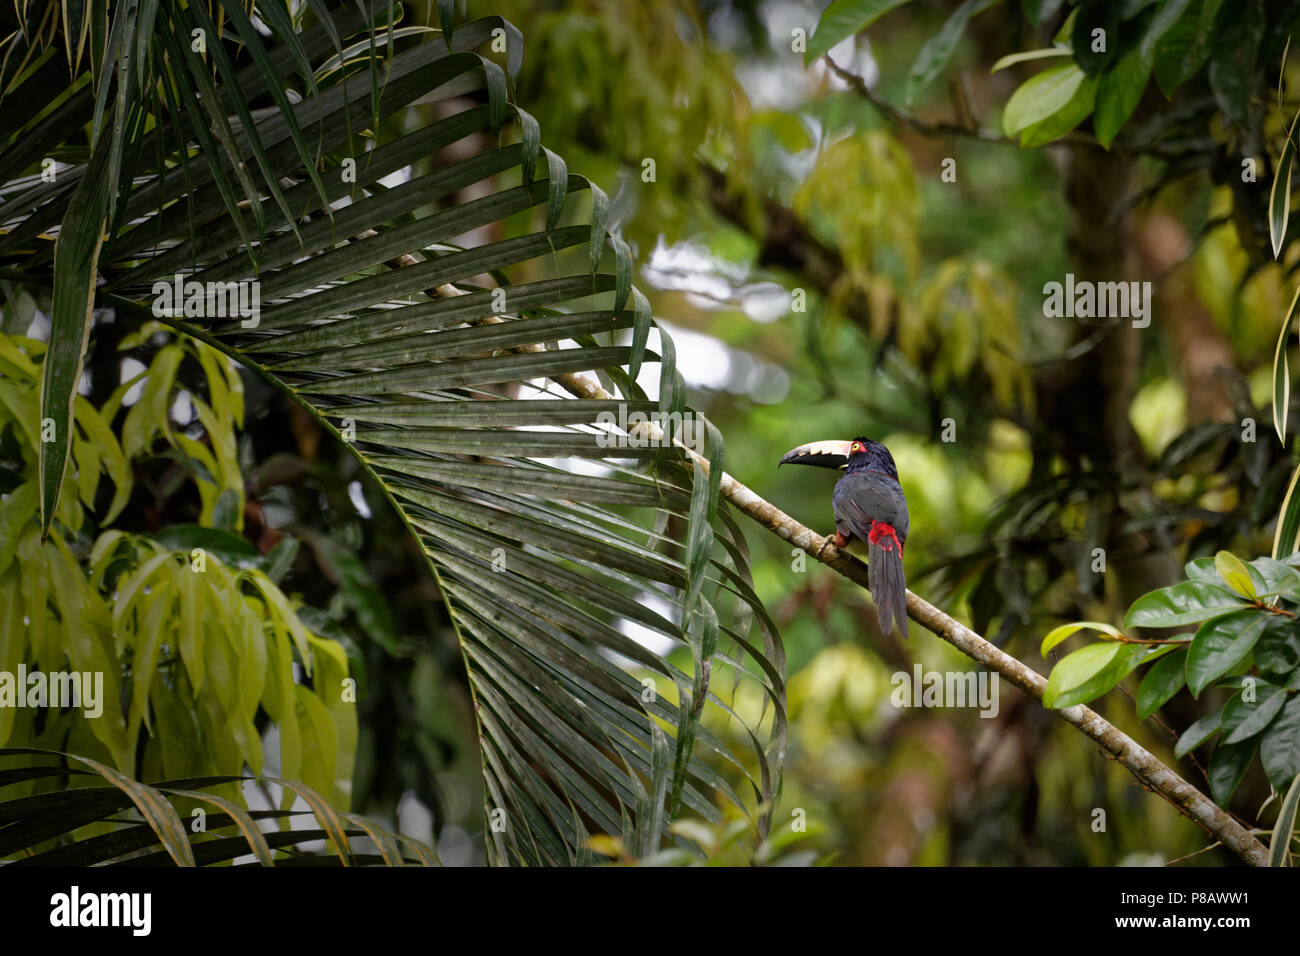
838	539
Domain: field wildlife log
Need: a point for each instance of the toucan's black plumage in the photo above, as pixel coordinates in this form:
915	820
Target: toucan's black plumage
870	508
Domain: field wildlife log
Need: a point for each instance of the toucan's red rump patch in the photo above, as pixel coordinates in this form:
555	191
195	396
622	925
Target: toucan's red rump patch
882	531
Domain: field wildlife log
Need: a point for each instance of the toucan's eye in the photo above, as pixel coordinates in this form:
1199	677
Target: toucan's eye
857	447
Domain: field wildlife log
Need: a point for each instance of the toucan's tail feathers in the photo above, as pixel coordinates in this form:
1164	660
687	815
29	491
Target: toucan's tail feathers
888	588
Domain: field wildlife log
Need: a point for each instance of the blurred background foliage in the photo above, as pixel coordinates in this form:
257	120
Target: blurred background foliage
821	279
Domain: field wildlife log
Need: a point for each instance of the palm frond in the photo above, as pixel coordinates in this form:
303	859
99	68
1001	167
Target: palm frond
142	824
434	337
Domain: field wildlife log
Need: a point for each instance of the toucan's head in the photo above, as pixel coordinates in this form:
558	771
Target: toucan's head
836	453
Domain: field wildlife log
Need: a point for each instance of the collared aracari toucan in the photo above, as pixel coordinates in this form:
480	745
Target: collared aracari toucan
869	507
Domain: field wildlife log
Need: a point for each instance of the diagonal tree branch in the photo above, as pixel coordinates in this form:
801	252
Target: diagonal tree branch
1149	770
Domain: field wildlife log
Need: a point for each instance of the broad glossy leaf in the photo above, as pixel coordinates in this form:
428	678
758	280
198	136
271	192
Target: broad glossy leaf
1183	603
1076	669
1235	574
1235	58
233	550
1165	678
1279	748
1185	47
1041	96
1118	93
1220	644
1243	720
1202	569
1198	733
1070	690
1075	111
1278	650
1274	577
1228	765
843	19
1058	634
1095	36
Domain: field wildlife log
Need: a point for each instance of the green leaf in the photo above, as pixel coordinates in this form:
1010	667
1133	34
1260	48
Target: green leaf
843	19
234	551
1198	733
1243	720
1166	678
1089	672
280	558
1041	96
76	256
1279	847
1058	634
1183	603
355	587
938	50
1168	14
191	625
1063	120
1228	765
1066	32
1011	59
1203	570
1118	93
1278	651
228	511
1124	663
1276	578
1094	15
1279	748
1038	12
111	455
1234	60
1234	573
1185	47
1220	645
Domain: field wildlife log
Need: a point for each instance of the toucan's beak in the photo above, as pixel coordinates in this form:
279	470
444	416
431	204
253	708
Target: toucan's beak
825	454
